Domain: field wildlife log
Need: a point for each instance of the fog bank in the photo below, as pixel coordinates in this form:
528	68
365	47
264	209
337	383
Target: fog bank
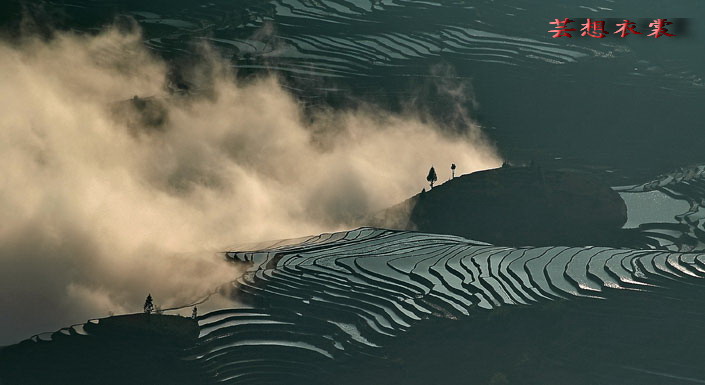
105	198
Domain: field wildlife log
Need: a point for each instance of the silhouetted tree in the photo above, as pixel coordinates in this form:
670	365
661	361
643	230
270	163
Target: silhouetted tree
148	305
432	176
452	170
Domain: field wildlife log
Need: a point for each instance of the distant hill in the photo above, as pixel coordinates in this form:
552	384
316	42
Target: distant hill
517	206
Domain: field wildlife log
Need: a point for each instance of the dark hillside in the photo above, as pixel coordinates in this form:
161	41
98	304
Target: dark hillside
129	349
515	206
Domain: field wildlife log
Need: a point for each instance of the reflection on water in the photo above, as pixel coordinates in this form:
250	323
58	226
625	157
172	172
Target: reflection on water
653	206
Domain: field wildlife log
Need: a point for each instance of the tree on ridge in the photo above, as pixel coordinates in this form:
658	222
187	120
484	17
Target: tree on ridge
432	177
148	304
